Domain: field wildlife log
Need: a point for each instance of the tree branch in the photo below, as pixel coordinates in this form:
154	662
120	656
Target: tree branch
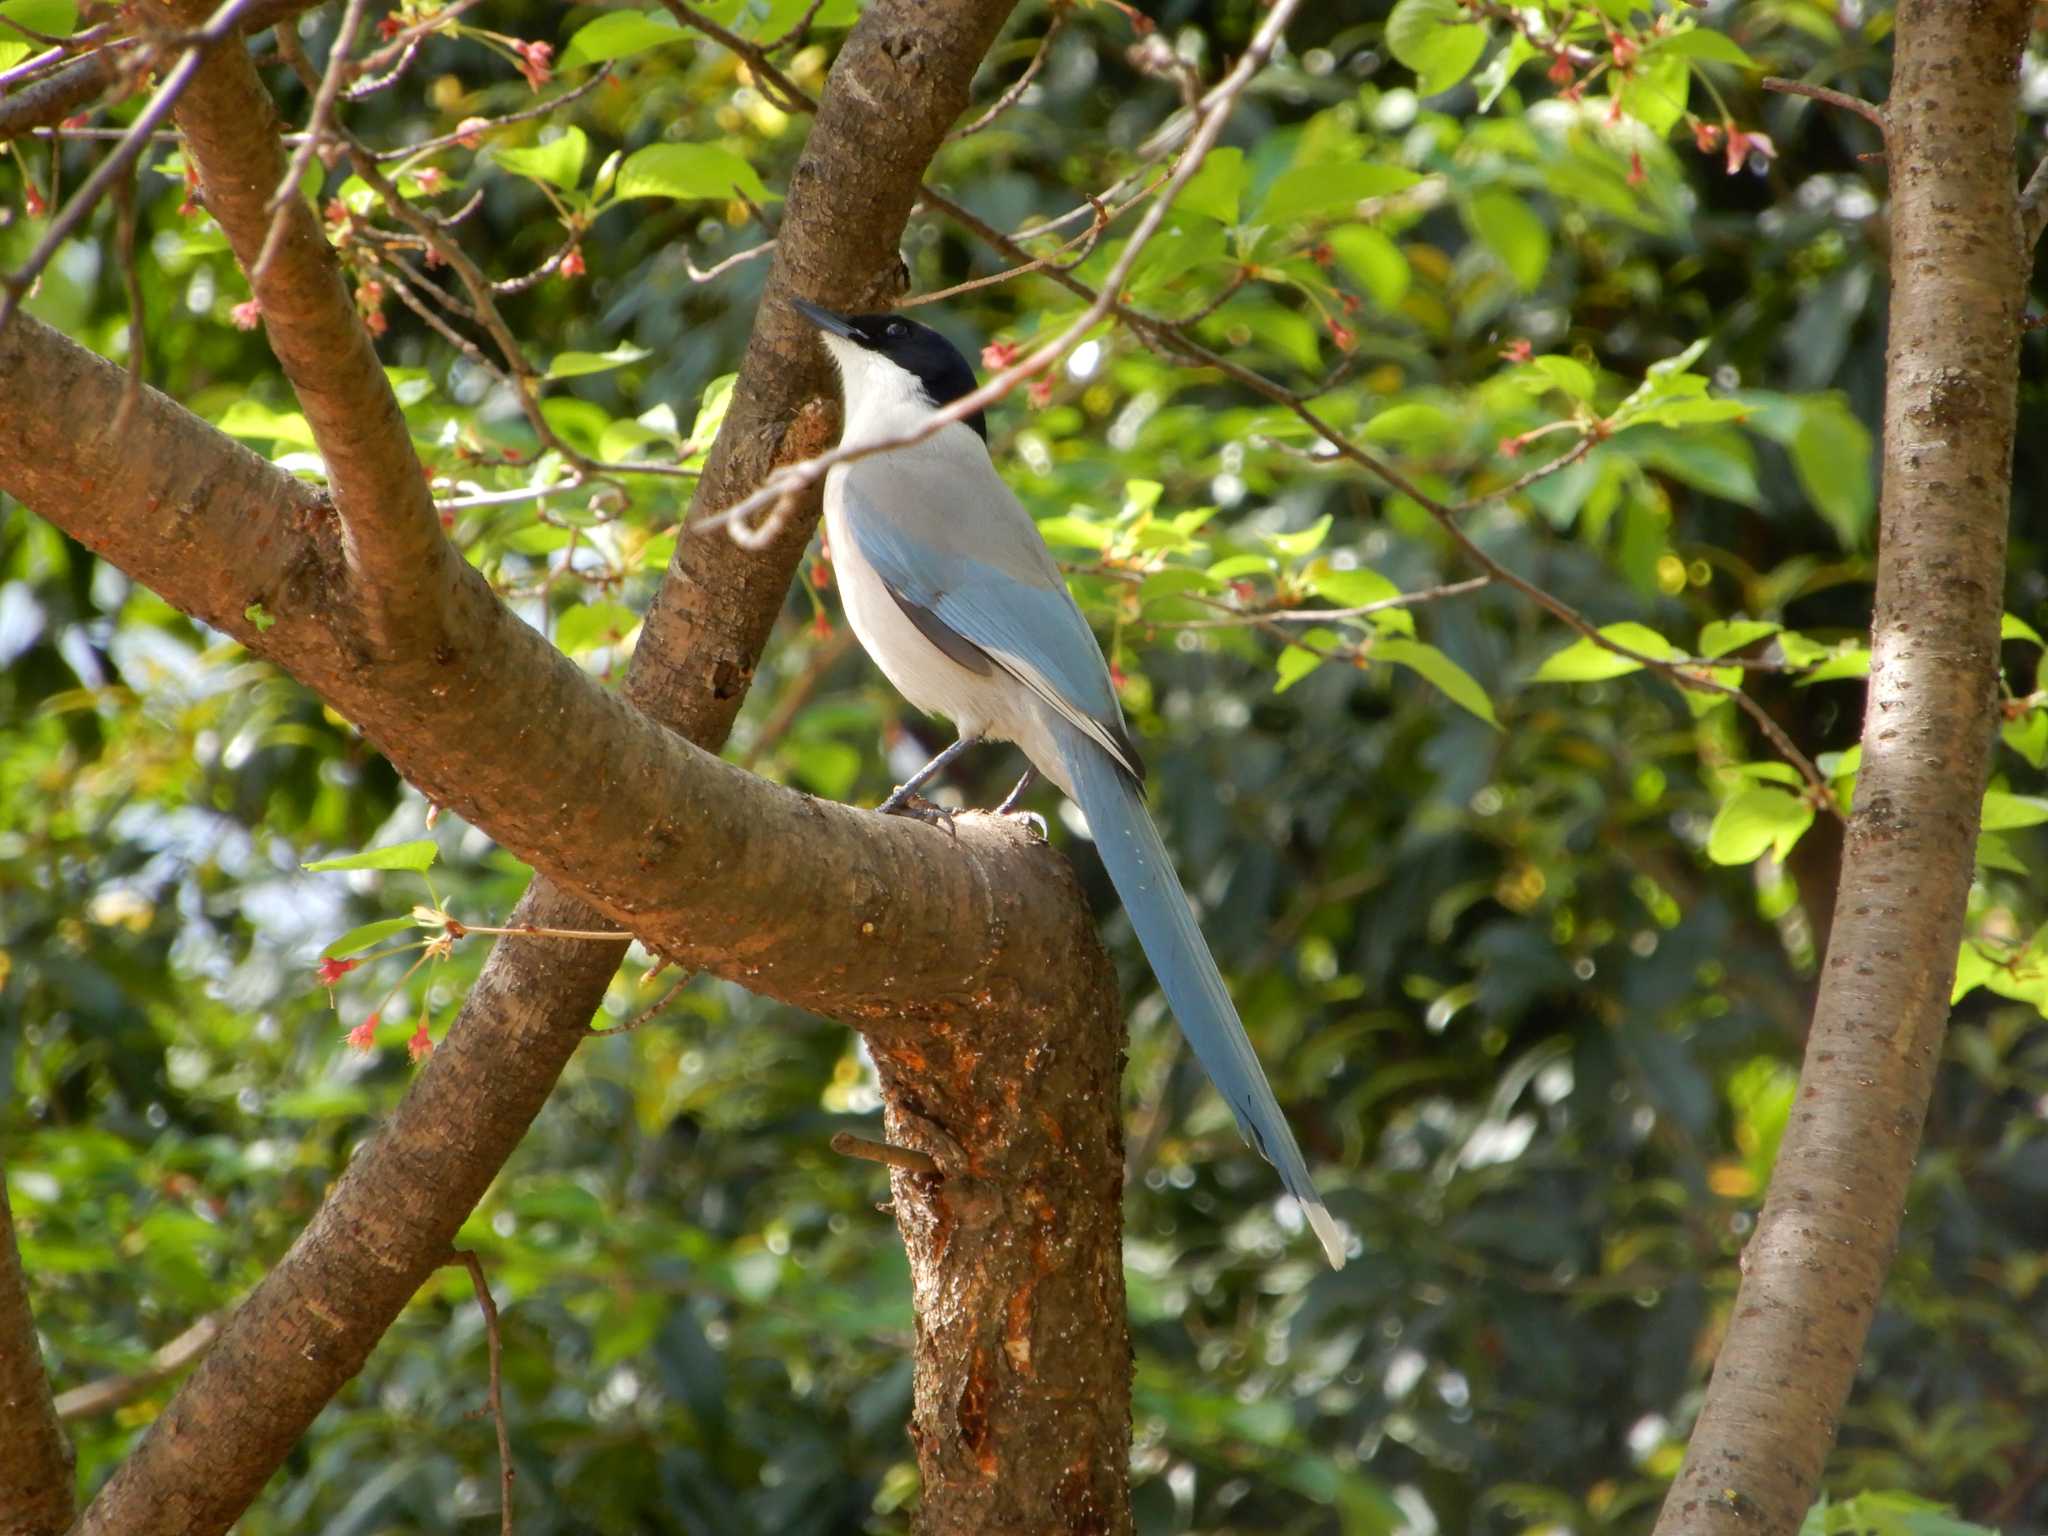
399	563
36	1461
900	82
1814	1269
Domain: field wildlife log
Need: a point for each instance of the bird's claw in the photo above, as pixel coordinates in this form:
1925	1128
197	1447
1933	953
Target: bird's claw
917	808
1030	819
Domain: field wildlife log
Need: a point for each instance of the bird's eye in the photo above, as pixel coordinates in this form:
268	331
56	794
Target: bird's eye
896	330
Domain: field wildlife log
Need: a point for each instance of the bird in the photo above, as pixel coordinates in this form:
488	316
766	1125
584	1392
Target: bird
950	589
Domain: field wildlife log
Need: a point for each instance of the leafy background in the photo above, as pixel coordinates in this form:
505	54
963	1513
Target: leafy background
1527	944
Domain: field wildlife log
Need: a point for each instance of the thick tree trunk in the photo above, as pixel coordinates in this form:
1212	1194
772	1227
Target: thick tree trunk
1815	1269
36	1478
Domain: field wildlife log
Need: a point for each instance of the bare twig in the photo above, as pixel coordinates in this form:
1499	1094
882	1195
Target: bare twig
482	1287
846	1144
1868	111
337	71
796	33
791	699
221	24
111	1392
1010	98
1088	239
772	81
461	136
650	1014
131	279
737	258
1244	618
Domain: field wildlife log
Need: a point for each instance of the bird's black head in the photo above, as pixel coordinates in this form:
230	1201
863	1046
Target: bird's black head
918	350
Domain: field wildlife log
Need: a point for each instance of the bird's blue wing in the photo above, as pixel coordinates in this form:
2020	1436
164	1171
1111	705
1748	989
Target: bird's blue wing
1005	597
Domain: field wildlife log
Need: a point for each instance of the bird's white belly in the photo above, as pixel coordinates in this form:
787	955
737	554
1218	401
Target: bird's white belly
925	675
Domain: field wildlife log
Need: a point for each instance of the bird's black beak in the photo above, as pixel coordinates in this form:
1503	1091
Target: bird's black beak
822	318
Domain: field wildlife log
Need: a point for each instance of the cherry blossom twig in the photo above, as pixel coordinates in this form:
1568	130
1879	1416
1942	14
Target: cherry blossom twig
221	24
1868	111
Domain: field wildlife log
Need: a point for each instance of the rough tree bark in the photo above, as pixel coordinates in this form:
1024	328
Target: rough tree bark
36	1482
1815	1268
1002	1071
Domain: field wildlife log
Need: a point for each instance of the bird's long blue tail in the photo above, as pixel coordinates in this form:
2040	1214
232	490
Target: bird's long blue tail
1144	877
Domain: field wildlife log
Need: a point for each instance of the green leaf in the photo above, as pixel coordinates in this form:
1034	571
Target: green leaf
1755	820
588	626
620	35
1218	187
1850	661
356	940
253	419
559	162
260	616
1721	636
1304	541
1293	665
2028	736
572	365
2004	811
1328	186
1831	454
419	854
2013	627
1374	261
711	409
1436	40
1568	374
1415	423
1456	683
1076	532
1708	46
686	171
56	18
1584	661
1973	969
1655	92
1352	588
1513	233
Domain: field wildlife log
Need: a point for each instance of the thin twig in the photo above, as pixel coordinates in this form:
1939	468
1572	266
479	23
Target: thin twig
337	71
737	258
846	1144
795	33
111	1392
219	25
1088	239
525	114
789	702
647	1015
1868	111
794	97
1009	98
481	1286
1244	618
131	279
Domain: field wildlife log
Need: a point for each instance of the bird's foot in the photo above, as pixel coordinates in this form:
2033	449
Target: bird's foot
907	802
1030	819
1010	800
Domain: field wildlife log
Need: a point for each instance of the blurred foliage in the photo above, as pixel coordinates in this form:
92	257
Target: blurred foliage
1526	942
